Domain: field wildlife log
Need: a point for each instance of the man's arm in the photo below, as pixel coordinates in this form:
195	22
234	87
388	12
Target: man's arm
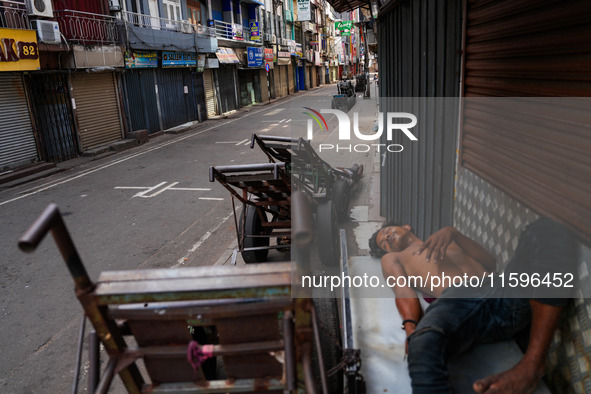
436	246
407	303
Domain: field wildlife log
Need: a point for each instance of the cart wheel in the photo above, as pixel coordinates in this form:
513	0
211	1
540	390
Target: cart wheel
341	194
327	234
253	226
330	342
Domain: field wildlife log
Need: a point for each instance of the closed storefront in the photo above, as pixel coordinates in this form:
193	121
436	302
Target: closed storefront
227	88
250	87
141	100
96	107
284	79
227	83
209	87
542	164
291	78
301	77
180	91
52	115
17	143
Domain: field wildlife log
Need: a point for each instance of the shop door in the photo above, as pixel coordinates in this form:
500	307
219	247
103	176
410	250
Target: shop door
227	86
142	102
210	101
301	79
50	101
96	108
199	95
17	143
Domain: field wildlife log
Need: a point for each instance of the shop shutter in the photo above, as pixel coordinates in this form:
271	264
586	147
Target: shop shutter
17	143
284	80
527	48
290	78
209	92
227	85
97	109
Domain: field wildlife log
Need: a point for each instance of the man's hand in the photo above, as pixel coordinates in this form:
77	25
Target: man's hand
436	245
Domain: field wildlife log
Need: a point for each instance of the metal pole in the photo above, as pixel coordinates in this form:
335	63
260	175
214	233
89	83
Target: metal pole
94	357
79	355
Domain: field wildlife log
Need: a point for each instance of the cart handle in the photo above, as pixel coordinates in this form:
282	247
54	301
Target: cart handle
51	220
271	138
246	168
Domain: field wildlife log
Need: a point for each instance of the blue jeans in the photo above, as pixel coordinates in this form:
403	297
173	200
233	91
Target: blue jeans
453	323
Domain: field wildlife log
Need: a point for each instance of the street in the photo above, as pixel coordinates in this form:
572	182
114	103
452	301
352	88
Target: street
149	207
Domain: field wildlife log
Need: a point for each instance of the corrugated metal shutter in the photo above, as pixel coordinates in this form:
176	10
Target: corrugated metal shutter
209	92
419	46
518	48
314	82
17	143
277	80
284	80
142	103
227	85
97	109
290	78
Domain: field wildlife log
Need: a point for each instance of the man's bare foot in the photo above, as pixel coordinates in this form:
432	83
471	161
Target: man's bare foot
518	380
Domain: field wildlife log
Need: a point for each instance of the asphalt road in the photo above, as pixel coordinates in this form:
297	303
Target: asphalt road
152	206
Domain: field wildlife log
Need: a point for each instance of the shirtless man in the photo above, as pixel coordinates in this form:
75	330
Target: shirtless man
454	323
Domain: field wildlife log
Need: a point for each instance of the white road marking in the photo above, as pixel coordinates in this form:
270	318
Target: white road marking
198	244
148	189
211	198
49	185
243	141
163	189
191	189
226	142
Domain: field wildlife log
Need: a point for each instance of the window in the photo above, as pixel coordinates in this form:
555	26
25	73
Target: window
194	15
172	9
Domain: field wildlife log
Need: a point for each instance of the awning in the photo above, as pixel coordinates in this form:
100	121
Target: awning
283	61
348	5
255	2
227	56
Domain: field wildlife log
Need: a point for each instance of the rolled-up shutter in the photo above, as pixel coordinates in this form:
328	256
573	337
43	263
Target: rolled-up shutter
209	92
536	150
17	143
97	109
284	80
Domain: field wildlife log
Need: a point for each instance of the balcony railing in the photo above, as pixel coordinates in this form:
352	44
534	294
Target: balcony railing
86	28
157	23
234	31
14	15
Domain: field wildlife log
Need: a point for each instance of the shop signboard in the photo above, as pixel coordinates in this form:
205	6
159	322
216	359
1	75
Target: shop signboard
141	59
200	63
255	56
18	50
303	10
179	59
255	33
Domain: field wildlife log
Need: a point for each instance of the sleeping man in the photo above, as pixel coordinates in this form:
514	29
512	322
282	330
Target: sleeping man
465	315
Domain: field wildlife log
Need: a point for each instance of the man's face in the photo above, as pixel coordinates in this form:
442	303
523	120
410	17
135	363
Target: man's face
393	238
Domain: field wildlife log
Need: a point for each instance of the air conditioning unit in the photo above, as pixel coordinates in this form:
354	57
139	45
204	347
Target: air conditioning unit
40	8
114	5
283	42
267	37
48	31
273	39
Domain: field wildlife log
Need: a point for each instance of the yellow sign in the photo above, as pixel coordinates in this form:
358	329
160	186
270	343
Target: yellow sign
18	50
